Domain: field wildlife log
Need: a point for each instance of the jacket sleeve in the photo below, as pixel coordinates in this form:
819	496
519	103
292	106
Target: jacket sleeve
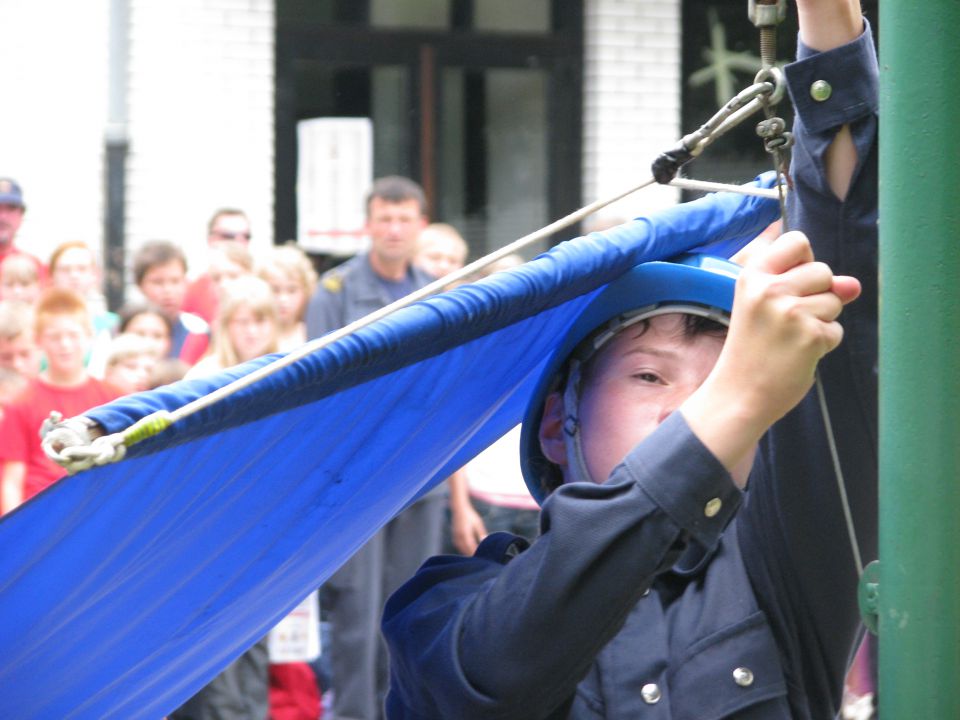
792	529
325	312
474	638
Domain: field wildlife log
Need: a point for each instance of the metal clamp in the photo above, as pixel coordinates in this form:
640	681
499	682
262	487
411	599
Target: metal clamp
764	14
868	596
775	77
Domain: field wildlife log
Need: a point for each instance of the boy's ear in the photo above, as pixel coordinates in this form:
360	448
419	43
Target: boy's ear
552	442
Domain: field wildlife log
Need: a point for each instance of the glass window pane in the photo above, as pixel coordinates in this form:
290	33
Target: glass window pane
493	157
516	154
391	121
430	14
452	170
526	16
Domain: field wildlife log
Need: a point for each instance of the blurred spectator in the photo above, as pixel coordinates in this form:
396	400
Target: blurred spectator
160	271
149	322
354	595
166	371
505	263
292	278
228	262
73	266
18	348
20	280
227	226
440	250
498	492
246	327
489	494
63	329
129	363
11	384
12	210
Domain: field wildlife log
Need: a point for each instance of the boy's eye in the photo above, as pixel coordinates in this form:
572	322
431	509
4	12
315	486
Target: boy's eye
647	376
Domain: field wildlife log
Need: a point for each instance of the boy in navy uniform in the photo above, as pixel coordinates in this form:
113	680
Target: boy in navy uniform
694	561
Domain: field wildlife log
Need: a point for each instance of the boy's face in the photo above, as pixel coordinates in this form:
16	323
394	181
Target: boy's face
439	254
19	290
635	382
11	216
20	354
131	374
75	270
166	286
63	340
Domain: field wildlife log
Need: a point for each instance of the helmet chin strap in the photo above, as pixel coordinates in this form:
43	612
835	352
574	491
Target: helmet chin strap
576	463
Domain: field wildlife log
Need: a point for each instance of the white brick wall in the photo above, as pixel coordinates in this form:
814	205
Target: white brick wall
631	98
201	112
201	119
53	56
200	109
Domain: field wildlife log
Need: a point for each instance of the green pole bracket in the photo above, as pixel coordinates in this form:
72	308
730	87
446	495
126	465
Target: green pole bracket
868	596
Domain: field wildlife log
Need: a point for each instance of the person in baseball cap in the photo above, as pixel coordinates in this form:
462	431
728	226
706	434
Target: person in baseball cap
11	213
12	209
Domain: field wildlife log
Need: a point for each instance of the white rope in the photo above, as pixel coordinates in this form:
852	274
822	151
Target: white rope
706	186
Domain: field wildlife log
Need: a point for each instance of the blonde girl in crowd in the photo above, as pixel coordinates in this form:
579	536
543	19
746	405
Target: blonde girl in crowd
246	326
292	277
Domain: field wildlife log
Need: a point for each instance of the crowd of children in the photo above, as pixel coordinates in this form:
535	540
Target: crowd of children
62	350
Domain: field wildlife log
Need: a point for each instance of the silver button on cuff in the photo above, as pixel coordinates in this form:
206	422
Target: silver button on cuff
712	507
650	693
743	677
820	90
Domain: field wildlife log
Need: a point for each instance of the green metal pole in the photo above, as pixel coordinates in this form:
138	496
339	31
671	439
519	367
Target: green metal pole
919	602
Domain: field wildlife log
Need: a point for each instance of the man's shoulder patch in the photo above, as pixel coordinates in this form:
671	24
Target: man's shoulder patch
332	281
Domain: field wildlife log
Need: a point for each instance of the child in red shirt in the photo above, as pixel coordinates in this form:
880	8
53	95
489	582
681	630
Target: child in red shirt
63	331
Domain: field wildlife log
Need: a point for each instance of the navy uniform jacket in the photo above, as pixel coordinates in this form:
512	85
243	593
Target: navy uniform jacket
350	291
666	592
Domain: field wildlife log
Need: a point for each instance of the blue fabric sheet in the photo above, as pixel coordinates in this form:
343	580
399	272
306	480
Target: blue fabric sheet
126	588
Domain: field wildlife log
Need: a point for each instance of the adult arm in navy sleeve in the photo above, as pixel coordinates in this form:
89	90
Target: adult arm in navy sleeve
324	312
792	528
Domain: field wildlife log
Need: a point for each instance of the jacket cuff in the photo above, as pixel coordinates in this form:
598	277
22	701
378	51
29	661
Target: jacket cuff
849	71
685	480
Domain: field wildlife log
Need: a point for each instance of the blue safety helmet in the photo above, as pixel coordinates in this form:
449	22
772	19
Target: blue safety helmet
693	284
